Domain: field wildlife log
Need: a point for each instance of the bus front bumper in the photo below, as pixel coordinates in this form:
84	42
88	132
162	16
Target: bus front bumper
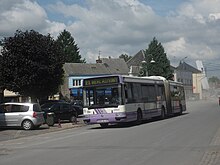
105	118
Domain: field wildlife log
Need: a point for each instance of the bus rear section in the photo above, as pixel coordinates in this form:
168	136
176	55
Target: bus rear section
177	97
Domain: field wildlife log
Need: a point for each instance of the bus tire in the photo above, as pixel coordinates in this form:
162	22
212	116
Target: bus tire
181	109
139	117
163	115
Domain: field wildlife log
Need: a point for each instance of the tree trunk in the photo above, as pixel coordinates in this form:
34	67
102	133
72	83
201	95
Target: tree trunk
34	99
2	95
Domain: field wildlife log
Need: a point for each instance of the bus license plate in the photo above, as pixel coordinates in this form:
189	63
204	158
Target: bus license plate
102	121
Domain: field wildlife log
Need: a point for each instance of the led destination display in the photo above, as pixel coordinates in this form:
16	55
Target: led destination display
100	81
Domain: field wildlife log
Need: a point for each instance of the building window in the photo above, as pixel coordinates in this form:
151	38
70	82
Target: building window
77	83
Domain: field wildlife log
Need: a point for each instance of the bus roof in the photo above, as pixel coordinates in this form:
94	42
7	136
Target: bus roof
115	79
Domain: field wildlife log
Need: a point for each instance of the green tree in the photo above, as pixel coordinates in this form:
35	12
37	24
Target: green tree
161	65
125	57
69	47
214	81
31	64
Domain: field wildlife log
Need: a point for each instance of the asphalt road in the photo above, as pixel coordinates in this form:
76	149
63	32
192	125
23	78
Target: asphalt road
189	139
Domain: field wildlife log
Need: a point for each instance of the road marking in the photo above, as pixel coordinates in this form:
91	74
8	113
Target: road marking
210	158
216	140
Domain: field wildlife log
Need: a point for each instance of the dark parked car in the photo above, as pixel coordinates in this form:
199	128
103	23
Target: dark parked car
78	105
55	111
79	109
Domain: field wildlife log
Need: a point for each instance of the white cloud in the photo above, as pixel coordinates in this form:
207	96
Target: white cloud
214	16
118	26
194	29
174	48
25	15
112	27
54	28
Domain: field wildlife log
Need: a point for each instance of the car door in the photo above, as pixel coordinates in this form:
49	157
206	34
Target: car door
66	111
2	116
13	115
56	109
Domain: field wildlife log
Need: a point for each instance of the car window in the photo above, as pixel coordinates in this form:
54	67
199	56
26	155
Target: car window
65	107
24	108
47	105
37	108
56	107
2	110
7	108
19	108
14	108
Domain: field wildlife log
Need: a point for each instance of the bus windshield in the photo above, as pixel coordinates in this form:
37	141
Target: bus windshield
106	96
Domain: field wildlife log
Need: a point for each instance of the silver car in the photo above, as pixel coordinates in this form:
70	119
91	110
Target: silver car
26	115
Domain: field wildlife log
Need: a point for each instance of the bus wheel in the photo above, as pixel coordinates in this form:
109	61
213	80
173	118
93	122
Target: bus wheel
162	116
104	125
139	117
181	110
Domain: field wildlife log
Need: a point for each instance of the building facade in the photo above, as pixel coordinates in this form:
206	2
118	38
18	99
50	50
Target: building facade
76	72
184	73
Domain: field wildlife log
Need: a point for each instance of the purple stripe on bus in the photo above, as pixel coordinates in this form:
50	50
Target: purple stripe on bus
97	111
100	111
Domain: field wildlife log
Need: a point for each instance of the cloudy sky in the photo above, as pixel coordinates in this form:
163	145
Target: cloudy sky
186	28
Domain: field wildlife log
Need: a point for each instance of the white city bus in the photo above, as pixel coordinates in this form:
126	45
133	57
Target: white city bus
117	98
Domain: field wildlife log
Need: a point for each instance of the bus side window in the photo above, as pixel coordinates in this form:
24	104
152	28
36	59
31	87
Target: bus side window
128	93
161	92
148	93
145	95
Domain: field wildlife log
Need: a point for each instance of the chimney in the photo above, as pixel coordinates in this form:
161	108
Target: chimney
130	73
98	60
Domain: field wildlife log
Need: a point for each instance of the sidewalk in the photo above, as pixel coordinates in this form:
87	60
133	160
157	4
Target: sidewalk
15	133
212	155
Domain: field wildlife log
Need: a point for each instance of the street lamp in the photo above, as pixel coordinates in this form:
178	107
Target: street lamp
143	68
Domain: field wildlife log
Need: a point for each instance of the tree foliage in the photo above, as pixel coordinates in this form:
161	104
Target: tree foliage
69	47
161	66
125	57
31	64
214	79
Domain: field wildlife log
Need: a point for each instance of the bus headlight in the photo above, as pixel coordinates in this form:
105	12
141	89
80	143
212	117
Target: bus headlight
120	115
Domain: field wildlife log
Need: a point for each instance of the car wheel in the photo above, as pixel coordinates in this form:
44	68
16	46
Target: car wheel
50	121
27	125
73	119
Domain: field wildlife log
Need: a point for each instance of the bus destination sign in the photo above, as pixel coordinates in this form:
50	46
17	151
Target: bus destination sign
100	81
